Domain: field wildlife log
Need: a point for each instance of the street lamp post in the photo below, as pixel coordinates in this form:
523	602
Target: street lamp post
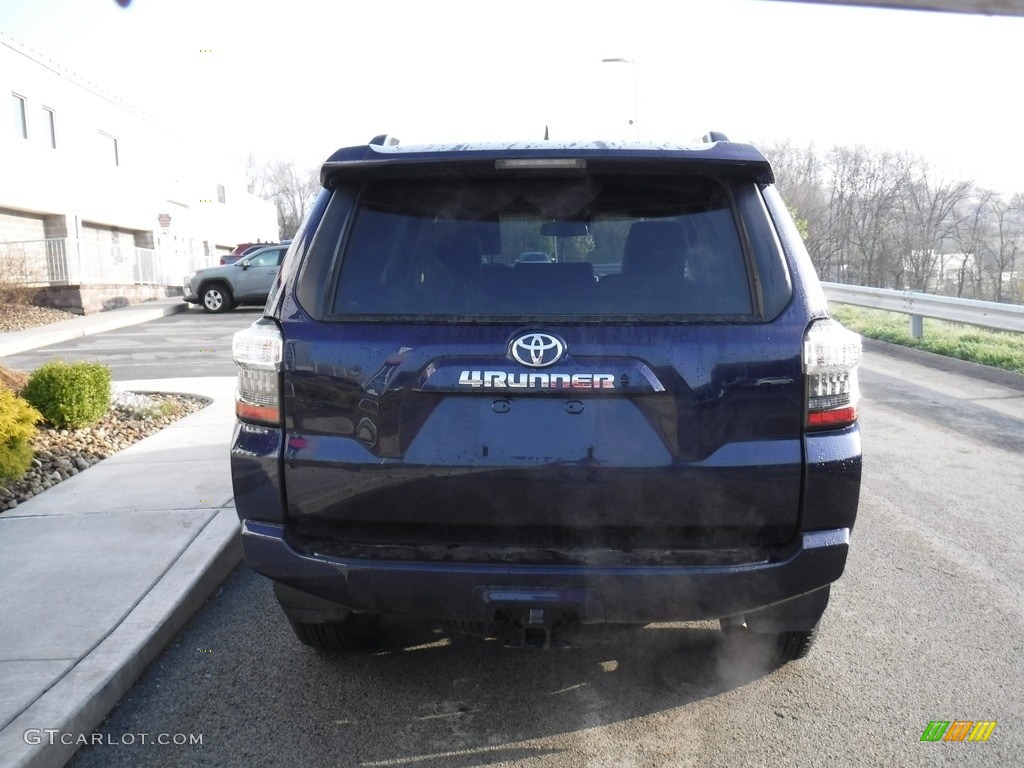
636	105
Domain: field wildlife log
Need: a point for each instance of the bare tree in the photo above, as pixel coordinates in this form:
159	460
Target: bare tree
971	235
1006	241
886	219
798	172
800	177
927	206
293	192
1015	290
875	181
290	189
255	175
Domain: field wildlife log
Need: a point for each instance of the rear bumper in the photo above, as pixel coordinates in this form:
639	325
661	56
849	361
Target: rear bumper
475	592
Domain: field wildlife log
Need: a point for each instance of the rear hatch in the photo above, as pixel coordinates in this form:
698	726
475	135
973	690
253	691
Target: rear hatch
638	392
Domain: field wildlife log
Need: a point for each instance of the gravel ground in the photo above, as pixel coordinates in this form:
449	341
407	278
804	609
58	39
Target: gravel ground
63	453
19	317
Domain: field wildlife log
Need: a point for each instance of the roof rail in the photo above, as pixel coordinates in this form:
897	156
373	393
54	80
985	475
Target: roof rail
712	136
385	140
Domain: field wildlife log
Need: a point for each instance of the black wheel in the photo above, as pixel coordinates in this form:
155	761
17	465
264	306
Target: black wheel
791	646
215	298
356	631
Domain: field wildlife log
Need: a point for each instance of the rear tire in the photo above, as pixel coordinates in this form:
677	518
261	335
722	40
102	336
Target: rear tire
783	631
791	646
775	648
356	631
216	298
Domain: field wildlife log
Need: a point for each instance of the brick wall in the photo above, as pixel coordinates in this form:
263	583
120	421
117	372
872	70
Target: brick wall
108	236
56	226
16	226
89	299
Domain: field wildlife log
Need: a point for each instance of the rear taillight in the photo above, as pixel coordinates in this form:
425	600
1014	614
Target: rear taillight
831	357
257	352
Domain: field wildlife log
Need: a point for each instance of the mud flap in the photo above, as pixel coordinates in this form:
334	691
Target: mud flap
796	614
305	608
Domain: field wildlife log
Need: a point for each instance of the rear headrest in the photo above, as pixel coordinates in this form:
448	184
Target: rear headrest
654	248
459	254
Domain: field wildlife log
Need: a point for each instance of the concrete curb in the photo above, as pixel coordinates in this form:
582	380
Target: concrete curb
17	342
143	613
80	700
987	373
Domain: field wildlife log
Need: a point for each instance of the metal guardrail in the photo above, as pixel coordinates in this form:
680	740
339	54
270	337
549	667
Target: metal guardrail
986	314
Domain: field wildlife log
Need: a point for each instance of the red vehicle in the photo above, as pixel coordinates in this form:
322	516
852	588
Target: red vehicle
239	251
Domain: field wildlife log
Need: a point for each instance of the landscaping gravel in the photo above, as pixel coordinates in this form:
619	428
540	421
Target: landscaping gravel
63	453
19	317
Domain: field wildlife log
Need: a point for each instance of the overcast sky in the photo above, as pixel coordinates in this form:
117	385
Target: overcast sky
298	78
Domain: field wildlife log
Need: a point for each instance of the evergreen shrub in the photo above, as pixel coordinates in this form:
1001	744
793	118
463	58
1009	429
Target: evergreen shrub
18	422
70	396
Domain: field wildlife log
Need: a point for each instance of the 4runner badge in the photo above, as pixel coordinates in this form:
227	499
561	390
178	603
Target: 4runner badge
503	380
537	350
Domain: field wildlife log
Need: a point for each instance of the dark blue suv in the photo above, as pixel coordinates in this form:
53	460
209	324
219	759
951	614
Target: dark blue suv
656	424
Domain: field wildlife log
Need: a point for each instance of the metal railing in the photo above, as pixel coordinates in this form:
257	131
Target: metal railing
985	314
66	261
33	261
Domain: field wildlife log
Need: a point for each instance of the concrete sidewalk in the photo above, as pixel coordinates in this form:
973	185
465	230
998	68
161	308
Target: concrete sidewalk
101	571
85	325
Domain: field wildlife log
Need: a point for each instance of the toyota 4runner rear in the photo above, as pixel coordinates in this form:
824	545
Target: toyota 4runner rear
658	423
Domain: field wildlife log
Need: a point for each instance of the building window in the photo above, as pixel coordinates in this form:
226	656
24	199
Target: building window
111	142
20	116
220	193
50	121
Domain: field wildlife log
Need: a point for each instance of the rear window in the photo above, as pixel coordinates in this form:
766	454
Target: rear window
587	248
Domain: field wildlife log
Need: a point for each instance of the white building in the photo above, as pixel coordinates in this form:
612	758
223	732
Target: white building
98	204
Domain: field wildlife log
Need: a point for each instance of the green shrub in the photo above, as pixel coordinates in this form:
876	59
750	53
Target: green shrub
18	422
69	396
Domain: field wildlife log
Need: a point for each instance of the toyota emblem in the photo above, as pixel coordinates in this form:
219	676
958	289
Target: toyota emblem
537	350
